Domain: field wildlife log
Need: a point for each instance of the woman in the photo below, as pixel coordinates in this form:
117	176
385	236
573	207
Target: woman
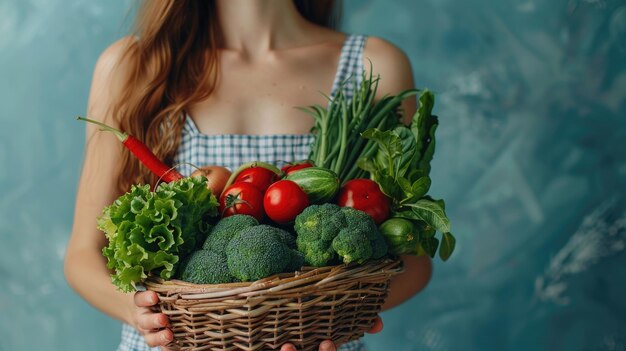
198	80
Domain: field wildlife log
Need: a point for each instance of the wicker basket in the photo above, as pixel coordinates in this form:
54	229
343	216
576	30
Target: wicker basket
338	303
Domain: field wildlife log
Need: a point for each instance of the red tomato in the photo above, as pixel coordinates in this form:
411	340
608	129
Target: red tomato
284	200
242	198
260	177
292	167
365	195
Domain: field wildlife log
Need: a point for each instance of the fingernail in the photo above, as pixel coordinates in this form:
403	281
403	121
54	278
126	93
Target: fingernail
327	346
166	337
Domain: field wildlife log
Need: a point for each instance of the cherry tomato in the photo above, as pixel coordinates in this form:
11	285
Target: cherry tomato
242	198
284	200
260	177
365	195
292	167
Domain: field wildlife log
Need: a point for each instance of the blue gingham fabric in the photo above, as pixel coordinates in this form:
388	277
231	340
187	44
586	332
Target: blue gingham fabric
232	150
350	67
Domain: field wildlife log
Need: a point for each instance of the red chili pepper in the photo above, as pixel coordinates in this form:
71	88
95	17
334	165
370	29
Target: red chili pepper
141	151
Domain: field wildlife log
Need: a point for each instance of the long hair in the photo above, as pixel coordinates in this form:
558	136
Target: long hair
173	64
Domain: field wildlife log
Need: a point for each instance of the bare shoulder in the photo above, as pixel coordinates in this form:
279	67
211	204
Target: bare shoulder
110	71
113	56
390	62
394	68
387	55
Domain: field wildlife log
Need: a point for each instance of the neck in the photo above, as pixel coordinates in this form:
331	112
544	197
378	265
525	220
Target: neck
258	26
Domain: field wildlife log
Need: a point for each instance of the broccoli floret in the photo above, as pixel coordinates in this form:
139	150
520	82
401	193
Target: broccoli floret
352	245
317	253
360	219
258	252
328	231
316	227
320	222
224	230
205	267
284	236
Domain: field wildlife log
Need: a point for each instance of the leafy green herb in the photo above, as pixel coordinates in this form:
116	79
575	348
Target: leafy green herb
400	164
448	243
430	212
429	245
423	126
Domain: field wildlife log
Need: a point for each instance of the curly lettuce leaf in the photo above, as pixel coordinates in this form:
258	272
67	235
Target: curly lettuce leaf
197	201
150	232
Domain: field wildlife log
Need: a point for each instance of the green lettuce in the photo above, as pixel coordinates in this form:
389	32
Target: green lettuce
151	232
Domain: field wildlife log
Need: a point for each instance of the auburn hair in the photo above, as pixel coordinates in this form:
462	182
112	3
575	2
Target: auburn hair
173	63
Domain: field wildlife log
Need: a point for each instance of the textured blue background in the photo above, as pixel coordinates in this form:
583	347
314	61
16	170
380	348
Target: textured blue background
531	158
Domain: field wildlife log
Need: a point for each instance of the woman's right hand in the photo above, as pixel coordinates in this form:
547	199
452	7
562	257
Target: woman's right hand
152	325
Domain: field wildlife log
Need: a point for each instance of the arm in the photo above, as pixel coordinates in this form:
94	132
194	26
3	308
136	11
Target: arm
416	275
84	266
396	75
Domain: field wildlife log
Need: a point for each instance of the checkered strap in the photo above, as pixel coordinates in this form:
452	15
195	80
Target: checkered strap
350	68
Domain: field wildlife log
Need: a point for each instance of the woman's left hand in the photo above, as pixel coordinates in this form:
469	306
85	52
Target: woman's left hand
328	345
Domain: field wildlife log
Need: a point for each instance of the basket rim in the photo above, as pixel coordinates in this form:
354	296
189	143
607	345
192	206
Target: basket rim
389	266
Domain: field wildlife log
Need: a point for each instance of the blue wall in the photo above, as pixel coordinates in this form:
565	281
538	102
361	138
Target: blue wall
531	159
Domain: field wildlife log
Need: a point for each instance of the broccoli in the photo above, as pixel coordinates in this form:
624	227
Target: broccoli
361	220
356	218
224	230
316	253
328	232
258	252
352	245
320	222
205	267
316	227
286	237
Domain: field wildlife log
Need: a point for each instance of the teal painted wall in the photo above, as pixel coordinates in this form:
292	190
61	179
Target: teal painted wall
531	159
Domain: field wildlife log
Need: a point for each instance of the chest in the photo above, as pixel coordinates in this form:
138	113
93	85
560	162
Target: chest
261	97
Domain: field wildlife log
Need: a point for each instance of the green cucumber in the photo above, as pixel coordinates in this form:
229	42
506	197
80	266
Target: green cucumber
320	184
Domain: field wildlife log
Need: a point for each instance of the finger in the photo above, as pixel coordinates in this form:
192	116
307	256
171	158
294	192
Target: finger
146	298
288	347
150	321
160	338
327	345
377	327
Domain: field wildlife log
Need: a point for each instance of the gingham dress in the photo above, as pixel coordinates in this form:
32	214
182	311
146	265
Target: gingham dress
232	150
